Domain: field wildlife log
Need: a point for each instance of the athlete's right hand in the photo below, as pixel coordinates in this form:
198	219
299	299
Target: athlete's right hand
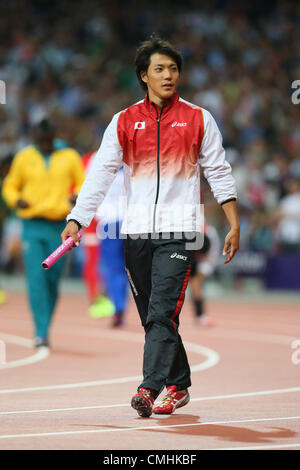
71	230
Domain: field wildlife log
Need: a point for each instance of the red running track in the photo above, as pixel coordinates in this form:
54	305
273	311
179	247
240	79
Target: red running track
245	375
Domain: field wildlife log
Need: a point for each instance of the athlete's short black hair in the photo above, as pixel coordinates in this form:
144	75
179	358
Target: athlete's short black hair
45	126
151	46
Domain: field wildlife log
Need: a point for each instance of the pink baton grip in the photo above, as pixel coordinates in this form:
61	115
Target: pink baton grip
61	250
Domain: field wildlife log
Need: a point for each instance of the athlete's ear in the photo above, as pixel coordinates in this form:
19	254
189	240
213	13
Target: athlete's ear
144	76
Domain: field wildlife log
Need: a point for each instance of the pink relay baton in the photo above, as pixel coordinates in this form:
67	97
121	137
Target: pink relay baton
60	251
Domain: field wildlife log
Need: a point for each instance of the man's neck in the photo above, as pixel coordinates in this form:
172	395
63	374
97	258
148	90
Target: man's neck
159	102
44	151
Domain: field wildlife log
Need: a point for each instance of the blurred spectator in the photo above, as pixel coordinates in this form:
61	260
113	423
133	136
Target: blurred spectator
100	305
288	216
72	64
260	232
203	266
41	185
110	215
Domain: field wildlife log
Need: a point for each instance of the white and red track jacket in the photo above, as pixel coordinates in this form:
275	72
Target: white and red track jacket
161	152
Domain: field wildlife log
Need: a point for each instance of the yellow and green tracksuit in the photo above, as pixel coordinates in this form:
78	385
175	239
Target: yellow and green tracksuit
46	182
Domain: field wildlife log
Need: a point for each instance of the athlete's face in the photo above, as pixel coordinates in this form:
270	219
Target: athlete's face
161	77
44	140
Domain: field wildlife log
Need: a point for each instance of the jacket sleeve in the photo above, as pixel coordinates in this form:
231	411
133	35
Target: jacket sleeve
216	169
12	184
103	170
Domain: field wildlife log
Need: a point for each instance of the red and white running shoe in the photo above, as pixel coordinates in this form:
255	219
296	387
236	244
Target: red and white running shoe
172	401
143	402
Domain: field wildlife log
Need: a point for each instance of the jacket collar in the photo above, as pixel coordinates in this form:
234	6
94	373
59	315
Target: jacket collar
153	109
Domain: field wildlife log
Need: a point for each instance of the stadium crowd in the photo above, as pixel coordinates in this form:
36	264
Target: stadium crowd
73	62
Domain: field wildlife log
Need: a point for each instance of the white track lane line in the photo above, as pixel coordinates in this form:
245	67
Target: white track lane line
12	339
39	355
212	358
117	405
243	335
283	446
143	428
94	383
219	331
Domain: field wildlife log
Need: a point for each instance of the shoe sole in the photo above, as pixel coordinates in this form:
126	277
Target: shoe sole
185	402
141	406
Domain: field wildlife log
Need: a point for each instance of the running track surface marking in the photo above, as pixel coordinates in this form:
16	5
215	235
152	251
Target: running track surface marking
249	342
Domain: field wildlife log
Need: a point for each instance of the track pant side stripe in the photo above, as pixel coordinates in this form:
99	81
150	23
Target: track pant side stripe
181	297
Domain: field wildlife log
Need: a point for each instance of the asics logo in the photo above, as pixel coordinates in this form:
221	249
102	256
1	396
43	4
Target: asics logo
179	124
176	255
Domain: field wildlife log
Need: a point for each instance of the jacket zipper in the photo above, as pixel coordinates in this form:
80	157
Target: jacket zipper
158	117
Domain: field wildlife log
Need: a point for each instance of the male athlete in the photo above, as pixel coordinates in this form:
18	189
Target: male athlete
38	185
161	142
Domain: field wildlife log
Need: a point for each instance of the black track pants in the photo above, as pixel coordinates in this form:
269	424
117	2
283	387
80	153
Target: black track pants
158	271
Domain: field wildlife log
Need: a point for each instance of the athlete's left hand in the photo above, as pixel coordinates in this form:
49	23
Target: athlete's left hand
232	244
